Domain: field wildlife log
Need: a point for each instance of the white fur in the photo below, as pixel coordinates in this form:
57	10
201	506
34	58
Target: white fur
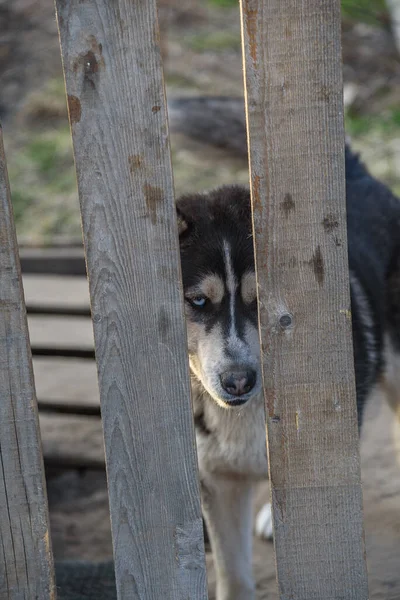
231	458
237	445
263	526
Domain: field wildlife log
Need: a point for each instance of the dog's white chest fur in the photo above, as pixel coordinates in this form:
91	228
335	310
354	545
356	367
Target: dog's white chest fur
236	444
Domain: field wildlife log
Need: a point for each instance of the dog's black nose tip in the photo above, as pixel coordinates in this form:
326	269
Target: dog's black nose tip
238	383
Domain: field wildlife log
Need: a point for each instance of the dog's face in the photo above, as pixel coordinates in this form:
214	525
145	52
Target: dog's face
220	293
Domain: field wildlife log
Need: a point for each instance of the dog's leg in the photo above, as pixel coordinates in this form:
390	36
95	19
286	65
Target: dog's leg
227	506
263	527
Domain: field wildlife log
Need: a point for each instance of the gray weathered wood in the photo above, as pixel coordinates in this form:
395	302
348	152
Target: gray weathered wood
76	379
26	566
71	441
60	332
53	261
296	142
117	112
53	295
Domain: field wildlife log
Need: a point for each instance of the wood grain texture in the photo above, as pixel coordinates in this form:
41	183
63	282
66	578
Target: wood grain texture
296	142
116	99
26	566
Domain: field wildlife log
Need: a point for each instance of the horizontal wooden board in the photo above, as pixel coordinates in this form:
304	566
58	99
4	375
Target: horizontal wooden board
53	261
53	290
55	295
59	381
72	441
60	332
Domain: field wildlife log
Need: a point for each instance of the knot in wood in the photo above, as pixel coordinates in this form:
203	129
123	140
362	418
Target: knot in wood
285	320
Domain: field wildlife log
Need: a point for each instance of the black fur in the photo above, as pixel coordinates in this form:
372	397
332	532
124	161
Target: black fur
373	229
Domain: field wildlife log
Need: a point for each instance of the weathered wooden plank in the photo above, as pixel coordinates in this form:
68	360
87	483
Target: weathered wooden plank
296	142
53	295
26	567
71	389
72	441
77	378
117	112
53	261
60	332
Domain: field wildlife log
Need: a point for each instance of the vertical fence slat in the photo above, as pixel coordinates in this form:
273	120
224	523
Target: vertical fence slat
26	564
295	119
117	111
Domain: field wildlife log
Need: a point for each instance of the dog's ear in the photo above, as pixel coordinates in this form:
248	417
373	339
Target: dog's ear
191	210
239	203
182	222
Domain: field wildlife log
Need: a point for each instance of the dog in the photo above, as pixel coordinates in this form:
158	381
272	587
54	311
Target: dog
218	272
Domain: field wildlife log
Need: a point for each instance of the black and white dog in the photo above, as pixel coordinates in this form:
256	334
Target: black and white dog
221	309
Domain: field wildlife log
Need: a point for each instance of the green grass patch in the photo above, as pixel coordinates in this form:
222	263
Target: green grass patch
373	12
224	3
51	152
21	201
43	184
386	123
214	41
179	80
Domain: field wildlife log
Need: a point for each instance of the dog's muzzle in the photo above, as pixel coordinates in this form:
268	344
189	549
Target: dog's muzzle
238	384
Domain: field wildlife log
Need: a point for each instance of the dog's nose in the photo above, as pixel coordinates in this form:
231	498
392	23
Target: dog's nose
238	383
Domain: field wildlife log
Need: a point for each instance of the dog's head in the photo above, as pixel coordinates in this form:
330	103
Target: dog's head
219	283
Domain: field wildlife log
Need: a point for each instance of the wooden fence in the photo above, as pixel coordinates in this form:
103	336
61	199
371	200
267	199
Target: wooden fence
116	99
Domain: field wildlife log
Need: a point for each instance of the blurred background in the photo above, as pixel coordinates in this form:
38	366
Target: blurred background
202	55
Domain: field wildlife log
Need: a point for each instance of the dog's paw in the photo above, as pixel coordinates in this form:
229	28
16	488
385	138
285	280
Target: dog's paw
264	523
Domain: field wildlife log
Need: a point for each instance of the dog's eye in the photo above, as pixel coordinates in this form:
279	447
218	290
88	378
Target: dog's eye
198	301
